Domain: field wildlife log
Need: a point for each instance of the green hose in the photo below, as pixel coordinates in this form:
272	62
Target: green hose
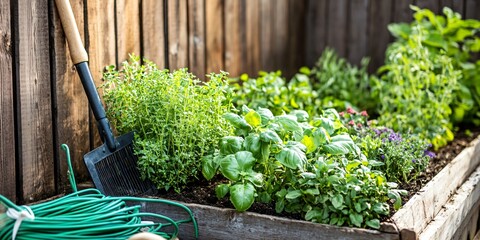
88	214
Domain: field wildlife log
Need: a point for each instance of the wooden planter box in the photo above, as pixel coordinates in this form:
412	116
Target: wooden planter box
441	210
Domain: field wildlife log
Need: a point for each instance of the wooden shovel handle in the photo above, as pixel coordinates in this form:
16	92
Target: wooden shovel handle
77	50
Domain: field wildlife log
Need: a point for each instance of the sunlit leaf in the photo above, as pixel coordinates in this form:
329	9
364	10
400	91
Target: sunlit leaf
236	121
221	190
242	196
253	119
288	122
292	155
340	144
270	136
230	145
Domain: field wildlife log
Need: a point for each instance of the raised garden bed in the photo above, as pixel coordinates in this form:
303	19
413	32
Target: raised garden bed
437	211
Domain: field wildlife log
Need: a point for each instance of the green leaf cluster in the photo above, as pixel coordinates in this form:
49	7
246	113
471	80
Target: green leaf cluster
340	85
339	191
416	88
300	165
459	39
429	83
332	83
271	90
401	157
177	119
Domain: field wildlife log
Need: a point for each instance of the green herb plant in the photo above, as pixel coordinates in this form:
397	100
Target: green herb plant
177	119
459	39
271	90
417	87
340	84
309	167
332	83
401	157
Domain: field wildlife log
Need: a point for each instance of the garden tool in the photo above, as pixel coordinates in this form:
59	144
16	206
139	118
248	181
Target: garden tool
113	165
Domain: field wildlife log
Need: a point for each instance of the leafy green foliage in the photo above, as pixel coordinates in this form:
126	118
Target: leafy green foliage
341	85
176	119
332	83
339	191
450	35
401	157
416	88
431	75
271	91
313	168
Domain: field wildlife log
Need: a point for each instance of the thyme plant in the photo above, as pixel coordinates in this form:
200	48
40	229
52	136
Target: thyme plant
176	118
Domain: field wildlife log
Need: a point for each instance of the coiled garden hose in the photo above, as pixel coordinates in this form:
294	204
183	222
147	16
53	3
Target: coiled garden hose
86	214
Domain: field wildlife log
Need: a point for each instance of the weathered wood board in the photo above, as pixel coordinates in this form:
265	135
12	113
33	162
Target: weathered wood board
217	223
153	32
177	27
455	211
469	226
196	38
72	118
101	49
7	120
35	143
422	208
214	41
127	29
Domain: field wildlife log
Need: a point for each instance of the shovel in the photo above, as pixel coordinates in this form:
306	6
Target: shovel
113	165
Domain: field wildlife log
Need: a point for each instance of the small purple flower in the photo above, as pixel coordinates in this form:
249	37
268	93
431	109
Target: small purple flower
382	156
394	137
414	160
430	154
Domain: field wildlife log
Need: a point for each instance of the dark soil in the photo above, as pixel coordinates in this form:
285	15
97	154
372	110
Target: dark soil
203	192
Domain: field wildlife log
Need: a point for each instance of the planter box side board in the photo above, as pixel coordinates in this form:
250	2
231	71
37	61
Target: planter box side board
219	223
455	212
422	208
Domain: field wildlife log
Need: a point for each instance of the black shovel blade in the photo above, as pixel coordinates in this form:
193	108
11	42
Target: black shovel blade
116	173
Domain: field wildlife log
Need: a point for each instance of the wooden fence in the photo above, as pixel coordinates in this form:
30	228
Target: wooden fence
42	101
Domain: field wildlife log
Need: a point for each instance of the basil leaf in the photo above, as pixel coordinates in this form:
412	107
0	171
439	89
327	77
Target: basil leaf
242	196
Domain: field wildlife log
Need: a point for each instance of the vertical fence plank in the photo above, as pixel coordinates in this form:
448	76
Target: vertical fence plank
357	27
153	32
430	4
234	37
316	33
214	41
279	18
7	126
128	28
472	9
445	3
253	33
266	36
458	6
401	11
337	26
196	37
378	36
101	47
72	118
177	34
35	120
296	37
